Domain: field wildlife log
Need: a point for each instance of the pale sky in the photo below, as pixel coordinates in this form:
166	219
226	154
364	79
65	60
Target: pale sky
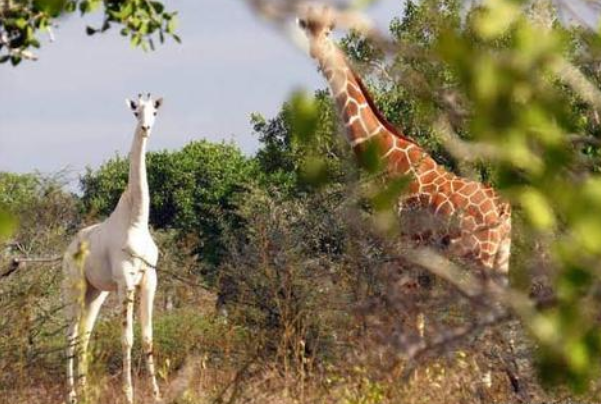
67	110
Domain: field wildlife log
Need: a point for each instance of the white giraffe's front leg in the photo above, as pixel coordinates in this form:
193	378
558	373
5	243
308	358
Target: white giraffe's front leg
127	294
147	291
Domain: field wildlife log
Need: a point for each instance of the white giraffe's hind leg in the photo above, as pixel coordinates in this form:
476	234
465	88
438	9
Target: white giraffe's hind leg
73	285
92	303
72	341
147	291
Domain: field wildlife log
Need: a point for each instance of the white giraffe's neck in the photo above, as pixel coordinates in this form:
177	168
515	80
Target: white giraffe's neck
137	186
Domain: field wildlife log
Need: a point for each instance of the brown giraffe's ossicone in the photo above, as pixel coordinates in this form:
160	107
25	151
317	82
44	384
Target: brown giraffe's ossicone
471	219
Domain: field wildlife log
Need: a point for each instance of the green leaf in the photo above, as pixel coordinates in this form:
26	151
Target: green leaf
21	23
95	4
15	60
135	40
52	7
389	196
171	25
85	6
158	6
370	156
537	209
71	6
497	17
8	225
127	10
314	171
304	116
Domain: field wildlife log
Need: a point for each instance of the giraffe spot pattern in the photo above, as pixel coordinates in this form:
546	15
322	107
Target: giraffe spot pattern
483	219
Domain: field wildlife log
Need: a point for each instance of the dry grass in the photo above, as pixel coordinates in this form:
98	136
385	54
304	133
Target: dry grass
306	325
227	373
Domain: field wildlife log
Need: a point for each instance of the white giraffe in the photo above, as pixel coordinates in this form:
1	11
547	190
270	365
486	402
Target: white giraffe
121	256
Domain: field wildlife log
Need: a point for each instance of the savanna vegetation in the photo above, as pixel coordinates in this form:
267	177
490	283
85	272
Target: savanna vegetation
285	276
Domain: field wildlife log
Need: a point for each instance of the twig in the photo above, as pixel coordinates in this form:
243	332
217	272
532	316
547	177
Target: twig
573	77
578	140
24	260
20	262
444	339
235	382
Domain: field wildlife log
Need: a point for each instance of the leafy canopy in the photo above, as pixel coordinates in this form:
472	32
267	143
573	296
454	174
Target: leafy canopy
22	21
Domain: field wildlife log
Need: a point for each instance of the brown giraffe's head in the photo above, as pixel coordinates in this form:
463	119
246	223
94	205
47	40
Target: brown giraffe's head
318	23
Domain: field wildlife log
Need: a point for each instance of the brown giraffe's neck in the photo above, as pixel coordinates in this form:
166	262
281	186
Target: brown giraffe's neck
361	118
481	229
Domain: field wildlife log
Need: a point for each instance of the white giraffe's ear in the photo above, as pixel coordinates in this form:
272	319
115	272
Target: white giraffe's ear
131	104
158	103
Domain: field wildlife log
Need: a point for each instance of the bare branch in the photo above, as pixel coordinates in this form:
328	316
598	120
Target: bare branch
21	262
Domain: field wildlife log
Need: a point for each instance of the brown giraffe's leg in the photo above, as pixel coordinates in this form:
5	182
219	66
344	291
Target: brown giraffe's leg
509	333
489	249
498	261
503	254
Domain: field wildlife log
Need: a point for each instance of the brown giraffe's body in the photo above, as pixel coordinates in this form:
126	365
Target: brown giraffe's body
482	230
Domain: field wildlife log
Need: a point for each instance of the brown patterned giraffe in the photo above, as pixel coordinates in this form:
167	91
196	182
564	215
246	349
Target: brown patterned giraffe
482	220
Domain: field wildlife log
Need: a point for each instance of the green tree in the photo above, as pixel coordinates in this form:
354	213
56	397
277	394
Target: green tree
505	89
194	191
298	155
21	22
42	208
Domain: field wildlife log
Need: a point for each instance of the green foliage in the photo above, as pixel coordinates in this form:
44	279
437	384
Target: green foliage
517	106
19	190
21	22
102	189
44	218
23	194
300	149
7	225
194	191
500	76
286	293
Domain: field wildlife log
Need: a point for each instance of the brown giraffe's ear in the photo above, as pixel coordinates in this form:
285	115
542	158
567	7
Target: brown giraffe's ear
158	103
301	23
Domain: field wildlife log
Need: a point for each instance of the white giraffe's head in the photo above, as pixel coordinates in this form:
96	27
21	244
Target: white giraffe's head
145	111
318	23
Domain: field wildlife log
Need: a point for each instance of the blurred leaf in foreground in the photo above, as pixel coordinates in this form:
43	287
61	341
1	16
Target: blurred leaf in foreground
8	225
